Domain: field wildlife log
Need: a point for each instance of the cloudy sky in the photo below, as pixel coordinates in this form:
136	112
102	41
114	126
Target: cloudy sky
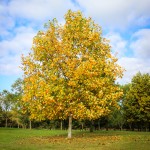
126	23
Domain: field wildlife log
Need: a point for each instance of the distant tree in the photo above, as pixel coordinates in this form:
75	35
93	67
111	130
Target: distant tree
17	87
117	118
137	101
22	119
125	89
1	115
70	72
6	99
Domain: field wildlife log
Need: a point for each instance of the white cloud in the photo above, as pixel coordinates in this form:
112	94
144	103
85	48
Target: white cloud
6	21
9	65
117	13
117	43
11	50
139	46
39	9
5	24
20	43
132	66
141	43
34	13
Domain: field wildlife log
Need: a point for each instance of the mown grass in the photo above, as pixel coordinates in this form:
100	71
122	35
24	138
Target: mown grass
25	139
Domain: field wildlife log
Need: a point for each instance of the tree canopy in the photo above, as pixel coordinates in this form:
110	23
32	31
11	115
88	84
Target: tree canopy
137	101
70	71
6	100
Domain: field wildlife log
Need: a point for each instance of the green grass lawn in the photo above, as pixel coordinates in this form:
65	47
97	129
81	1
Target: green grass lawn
25	139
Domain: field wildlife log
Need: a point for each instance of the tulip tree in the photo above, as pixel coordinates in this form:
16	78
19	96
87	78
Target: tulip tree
70	72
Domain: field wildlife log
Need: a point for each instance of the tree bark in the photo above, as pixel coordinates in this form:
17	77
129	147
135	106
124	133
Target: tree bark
30	124
82	126
130	126
6	122
91	126
70	127
61	125
99	125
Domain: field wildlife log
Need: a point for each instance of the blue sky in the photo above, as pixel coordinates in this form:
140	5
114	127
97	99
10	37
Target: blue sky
126	23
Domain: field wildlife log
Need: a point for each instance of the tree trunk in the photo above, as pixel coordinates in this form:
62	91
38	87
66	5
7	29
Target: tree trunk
61	124
121	127
130	126
6	122
91	126
82	126
99	125
30	124
107	126
70	127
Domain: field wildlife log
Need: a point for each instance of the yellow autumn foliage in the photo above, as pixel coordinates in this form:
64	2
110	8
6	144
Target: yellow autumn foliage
70	70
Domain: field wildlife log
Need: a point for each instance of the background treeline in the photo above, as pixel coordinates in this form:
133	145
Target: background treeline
133	112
